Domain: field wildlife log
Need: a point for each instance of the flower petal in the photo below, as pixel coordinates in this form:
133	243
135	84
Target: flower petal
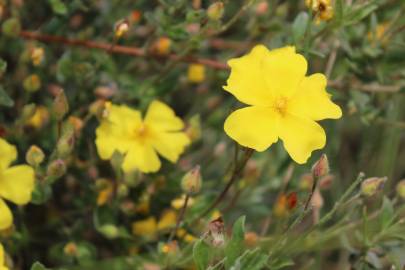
8	153
1	256
313	101
171	145
6	218
254	127
283	70
116	130
142	157
17	184
246	81
301	136
162	117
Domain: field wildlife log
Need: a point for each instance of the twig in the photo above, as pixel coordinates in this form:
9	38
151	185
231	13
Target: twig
180	218
235	175
332	59
118	49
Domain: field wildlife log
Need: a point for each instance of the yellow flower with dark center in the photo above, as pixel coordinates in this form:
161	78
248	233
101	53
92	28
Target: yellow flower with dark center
2	259
284	103
16	183
124	130
322	9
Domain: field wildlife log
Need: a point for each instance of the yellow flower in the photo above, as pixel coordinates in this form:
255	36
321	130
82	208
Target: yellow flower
178	202
146	227
124	130
2	259
40	117
16	183
196	73
284	103
167	220
322	9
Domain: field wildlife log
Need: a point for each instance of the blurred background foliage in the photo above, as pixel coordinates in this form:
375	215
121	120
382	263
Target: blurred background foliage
86	214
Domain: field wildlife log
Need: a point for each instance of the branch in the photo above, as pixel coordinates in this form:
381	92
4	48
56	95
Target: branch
133	51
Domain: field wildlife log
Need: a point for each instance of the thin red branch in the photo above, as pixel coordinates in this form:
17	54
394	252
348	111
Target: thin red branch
133	51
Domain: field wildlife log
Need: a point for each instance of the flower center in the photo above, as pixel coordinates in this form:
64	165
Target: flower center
280	105
142	132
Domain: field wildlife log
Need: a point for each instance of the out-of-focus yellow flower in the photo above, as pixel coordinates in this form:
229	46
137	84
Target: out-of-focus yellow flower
37	56
284	103
215	215
124	130
106	189
196	73
32	83
70	249
16	183
143	205
40	117
182	234
379	34
146	227
77	123
171	247
322	9
2	258
179	202
121	28
167	220
162	46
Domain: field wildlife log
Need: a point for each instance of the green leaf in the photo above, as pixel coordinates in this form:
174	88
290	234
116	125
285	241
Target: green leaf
359	13
3	66
38	266
201	254
387	213
251	260
58	7
41	194
299	26
339	11
5	100
236	244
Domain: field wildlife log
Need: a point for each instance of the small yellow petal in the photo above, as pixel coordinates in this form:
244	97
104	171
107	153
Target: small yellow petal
301	136
6	218
8	153
167	220
283	69
253	127
146	227
196	73
312	100
161	117
171	145
142	157
246	81
17	184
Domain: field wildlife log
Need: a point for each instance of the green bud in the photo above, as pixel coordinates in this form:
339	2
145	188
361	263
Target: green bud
12	27
371	186
191	182
56	169
321	167
215	11
109	230
34	156
66	142
60	105
32	83
27	112
122	191
401	189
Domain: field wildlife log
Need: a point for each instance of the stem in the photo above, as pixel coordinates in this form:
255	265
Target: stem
235	176
118	49
180	218
316	180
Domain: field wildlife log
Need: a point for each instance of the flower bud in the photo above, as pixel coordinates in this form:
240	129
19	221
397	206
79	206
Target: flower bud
70	249
193	130
321	167
191	182
401	189
215	11
28	111
162	46
216	229
121	28
56	169
122	191
66	142
11	27
38	116
34	156
109	230
196	73
251	239
60	105
37	56
371	186
32	83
